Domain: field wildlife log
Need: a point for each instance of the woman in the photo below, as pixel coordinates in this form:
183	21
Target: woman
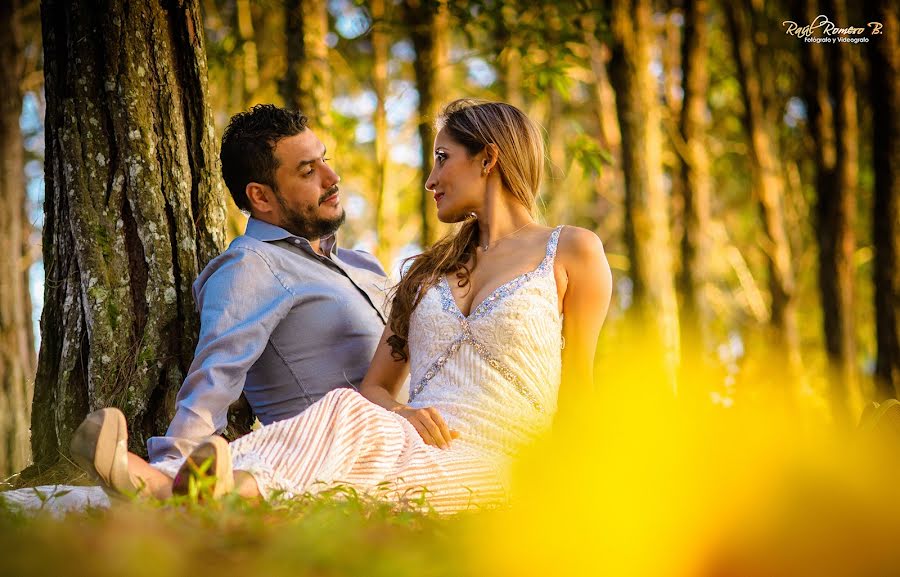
494	322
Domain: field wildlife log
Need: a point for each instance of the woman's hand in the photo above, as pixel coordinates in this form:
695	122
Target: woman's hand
430	425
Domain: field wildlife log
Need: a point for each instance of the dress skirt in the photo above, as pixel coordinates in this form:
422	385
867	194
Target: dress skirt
344	439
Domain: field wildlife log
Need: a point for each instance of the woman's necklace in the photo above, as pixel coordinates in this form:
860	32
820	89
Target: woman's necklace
488	245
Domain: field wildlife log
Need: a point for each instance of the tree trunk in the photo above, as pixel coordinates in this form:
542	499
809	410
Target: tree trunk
385	203
559	204
133	211
884	66
16	358
248	80
668	35
509	54
307	82
695	239
646	206
768	183
609	183
826	90
429	28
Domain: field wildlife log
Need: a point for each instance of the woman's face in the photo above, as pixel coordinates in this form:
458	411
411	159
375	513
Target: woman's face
456	179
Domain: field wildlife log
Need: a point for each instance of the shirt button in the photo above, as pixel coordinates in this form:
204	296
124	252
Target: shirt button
297	241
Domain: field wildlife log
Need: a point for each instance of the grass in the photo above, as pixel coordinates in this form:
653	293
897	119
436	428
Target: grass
338	533
636	482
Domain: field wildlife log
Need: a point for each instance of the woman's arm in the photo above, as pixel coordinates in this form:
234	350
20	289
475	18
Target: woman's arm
585	304
382	384
385	376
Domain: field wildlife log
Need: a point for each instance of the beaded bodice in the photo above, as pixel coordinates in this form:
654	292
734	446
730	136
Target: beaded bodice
494	374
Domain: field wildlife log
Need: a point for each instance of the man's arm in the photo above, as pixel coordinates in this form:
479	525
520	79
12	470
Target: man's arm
241	300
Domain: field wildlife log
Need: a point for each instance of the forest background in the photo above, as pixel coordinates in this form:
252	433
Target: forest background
741	173
742	177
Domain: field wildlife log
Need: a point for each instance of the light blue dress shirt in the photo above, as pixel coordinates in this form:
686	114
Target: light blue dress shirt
279	322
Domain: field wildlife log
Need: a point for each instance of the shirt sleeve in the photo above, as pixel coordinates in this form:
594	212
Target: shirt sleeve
241	300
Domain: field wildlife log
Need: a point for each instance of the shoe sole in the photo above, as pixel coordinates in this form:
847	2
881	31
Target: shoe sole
98	444
217	449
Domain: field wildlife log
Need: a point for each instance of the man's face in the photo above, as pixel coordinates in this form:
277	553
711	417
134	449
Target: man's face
308	202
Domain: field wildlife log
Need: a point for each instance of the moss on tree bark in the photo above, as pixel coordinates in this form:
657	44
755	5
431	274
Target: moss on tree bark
134	210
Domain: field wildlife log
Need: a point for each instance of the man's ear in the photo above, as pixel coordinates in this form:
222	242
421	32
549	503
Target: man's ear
260	197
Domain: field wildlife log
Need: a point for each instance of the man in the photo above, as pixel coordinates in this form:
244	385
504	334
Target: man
285	315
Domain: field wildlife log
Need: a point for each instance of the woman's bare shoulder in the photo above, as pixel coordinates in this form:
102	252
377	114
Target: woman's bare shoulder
578	246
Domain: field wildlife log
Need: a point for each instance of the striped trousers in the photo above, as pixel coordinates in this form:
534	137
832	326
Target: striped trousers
343	439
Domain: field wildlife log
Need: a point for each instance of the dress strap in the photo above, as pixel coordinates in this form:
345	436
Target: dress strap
553	243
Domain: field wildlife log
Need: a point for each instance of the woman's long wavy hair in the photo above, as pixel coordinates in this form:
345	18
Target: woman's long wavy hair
474	124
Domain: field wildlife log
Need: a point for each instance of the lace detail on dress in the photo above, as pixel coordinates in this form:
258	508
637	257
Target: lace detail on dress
485	307
448	305
504	370
435	367
511	286
507	373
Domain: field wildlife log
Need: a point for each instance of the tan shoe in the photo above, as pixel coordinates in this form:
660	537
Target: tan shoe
209	465
100	447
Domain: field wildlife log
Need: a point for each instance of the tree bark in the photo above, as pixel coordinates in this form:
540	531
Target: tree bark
385	203
429	28
307	82
831	109
884	66
695	240
646	205
16	353
768	183
133	211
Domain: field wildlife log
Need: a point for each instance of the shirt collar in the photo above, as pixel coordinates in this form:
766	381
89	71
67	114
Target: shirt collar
266	232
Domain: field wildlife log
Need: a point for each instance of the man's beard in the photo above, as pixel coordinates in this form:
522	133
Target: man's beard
306	223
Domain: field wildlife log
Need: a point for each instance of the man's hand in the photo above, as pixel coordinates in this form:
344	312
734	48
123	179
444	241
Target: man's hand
430	425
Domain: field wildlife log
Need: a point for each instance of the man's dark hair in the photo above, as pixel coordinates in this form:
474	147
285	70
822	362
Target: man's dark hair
248	147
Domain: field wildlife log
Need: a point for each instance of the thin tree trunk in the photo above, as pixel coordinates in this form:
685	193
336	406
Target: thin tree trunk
695	240
668	38
768	183
133	211
230	96
603	102
671	59
884	66
603	98
836	218
824	82
385	203
307	82
559	204
16	358
646	205
429	28
509	55
247	50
